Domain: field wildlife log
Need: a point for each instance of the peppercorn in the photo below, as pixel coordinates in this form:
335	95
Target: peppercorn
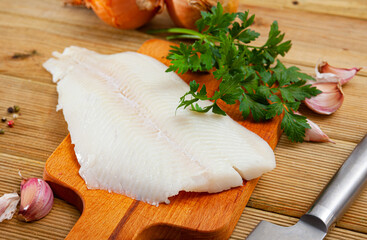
16	108
2	131
15	116
11	123
10	110
3	119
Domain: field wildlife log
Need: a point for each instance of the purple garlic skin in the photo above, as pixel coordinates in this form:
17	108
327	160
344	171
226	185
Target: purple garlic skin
36	199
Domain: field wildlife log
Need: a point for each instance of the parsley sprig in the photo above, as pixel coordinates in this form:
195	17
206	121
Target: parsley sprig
249	74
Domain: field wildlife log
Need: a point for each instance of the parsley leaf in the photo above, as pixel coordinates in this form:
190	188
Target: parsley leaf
298	91
248	74
294	126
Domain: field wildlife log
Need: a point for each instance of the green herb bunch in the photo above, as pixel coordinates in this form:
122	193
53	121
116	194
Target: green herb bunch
264	87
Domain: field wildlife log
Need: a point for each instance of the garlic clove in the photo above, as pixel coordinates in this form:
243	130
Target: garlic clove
36	199
327	73
324	76
8	205
315	134
328	101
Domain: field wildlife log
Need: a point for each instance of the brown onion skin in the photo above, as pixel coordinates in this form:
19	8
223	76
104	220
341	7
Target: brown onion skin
123	14
185	15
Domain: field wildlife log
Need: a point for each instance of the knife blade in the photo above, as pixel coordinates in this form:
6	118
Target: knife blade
330	205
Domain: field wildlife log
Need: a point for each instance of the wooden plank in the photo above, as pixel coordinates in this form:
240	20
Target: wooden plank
350	8
39	128
26	34
311	40
47	26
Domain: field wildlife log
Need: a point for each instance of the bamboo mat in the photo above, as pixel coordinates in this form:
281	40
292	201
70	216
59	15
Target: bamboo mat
281	196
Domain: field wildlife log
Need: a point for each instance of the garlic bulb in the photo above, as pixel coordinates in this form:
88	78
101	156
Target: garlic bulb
326	73
36	199
329	100
8	205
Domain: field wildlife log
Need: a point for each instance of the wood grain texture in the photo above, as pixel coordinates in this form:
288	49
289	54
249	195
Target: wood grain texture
311	40
347	8
283	194
188	216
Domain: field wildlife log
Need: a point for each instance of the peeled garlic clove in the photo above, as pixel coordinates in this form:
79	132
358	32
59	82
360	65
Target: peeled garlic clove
328	101
315	134
36	199
327	73
8	205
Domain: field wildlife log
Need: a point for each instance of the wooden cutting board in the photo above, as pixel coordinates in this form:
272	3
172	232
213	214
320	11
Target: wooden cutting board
189	215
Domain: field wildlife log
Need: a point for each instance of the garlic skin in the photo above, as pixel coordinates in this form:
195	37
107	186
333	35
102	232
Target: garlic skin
315	134
326	73
328	101
36	199
8	205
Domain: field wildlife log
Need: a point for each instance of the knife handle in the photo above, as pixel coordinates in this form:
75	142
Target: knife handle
342	189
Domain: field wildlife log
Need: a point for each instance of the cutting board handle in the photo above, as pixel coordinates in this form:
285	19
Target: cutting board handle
343	188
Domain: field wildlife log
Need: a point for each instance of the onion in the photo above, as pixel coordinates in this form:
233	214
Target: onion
184	13
124	14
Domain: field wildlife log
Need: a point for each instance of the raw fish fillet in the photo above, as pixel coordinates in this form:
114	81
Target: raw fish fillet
129	139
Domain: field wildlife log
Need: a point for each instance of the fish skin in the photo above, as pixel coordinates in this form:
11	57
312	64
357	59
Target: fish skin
128	98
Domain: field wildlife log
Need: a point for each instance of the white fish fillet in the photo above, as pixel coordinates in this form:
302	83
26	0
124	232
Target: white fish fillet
120	111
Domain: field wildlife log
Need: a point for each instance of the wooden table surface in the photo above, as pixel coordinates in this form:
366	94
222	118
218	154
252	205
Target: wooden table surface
333	30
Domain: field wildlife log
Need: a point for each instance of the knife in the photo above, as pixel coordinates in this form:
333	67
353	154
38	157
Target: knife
330	205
